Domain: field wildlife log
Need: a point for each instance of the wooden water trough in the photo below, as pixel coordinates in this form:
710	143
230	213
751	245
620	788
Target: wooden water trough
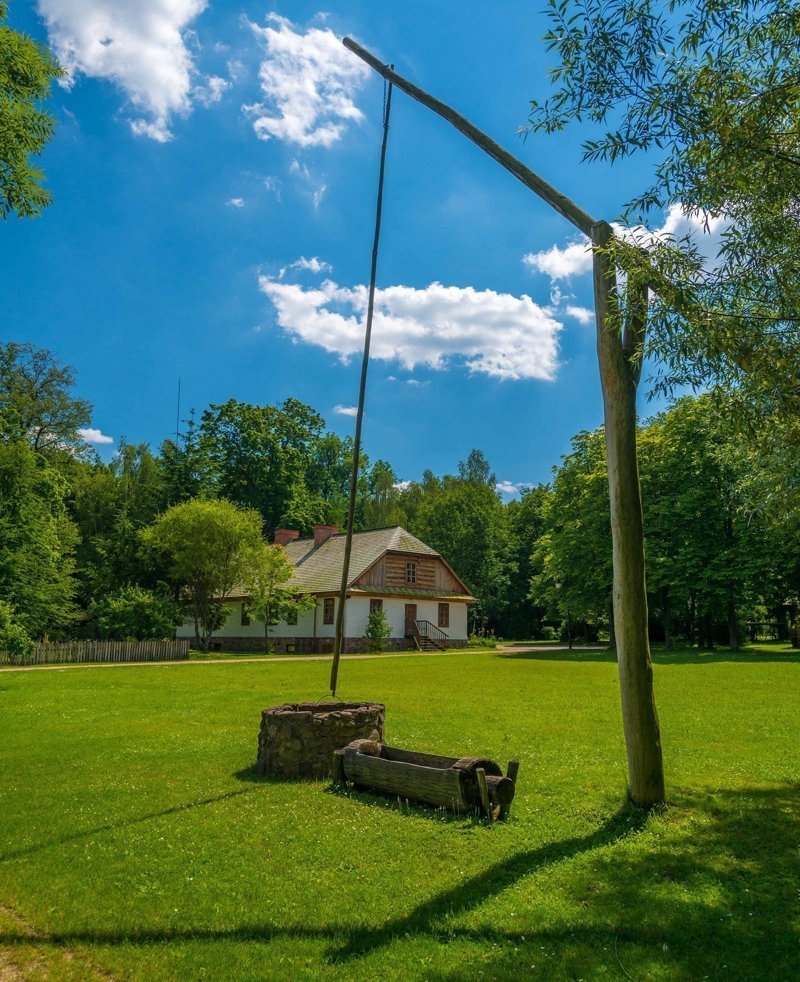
460	784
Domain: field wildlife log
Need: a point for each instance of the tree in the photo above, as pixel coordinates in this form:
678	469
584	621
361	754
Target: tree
258	456
36	403
378	631
14	640
207	546
27	70
462	518
36	541
135	614
267	581
573	557
709	89
524	519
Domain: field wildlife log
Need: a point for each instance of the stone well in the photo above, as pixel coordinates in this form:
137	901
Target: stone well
298	739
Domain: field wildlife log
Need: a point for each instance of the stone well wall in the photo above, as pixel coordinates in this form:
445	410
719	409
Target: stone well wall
298	739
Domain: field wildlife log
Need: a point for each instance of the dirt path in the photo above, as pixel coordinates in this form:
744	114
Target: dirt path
222	661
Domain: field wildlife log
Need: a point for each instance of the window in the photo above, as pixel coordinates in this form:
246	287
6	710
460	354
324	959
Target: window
245	615
327	610
291	617
375	605
411	572
444	615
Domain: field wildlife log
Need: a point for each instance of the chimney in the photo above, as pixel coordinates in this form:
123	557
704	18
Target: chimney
284	536
323	532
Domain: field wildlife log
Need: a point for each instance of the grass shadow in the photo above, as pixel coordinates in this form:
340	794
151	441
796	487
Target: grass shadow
430	813
712	891
659	656
113	826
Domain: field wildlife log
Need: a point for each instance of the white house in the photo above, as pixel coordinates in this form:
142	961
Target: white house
424	601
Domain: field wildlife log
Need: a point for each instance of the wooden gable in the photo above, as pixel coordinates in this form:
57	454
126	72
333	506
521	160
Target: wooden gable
432	573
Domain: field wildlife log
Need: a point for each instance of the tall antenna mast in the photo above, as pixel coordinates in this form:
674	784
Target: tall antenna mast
178	415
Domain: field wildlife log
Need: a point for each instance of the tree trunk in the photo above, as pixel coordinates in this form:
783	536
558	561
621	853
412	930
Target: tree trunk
619	379
733	626
612	633
666	611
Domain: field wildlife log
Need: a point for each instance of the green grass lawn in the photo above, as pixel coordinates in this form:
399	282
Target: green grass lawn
137	843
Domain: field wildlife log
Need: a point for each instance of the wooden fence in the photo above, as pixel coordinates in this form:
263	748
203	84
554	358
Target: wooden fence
72	652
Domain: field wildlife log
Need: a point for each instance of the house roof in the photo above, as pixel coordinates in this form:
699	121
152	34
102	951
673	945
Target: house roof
318	569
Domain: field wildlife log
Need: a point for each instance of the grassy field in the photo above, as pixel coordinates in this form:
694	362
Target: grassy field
137	843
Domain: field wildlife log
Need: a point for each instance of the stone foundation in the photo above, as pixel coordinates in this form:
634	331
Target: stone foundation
298	739
302	646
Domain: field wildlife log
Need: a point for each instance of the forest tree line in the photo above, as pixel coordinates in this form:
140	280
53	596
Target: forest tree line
78	556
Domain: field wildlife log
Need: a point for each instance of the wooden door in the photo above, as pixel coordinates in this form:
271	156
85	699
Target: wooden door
411	616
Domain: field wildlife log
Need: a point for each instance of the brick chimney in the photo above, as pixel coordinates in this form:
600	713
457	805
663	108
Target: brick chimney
284	536
323	532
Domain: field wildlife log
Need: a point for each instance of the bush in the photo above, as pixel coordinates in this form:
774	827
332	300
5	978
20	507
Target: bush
549	633
378	631
15	645
135	614
483	639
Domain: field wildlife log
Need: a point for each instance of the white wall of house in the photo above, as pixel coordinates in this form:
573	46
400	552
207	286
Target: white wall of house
395	611
356	616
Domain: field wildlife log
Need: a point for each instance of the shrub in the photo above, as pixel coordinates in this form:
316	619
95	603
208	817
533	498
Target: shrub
15	644
483	639
135	614
378	631
549	633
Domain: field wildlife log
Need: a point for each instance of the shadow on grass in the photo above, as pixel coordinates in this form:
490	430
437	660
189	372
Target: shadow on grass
711	889
112	826
431	813
660	656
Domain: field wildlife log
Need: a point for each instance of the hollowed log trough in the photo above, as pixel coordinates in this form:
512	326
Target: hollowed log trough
459	784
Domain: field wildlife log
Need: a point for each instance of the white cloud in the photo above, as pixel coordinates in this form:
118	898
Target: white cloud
575	259
273	185
581	314
143	47
402	485
313	265
346	410
300	169
309	82
92	435
495	334
235	202
318	194
558	263
506	487
212	91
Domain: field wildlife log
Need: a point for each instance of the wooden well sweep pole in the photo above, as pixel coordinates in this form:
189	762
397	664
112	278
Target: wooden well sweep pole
620	364
351	507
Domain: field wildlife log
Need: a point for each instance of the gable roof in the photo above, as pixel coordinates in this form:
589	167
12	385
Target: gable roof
318	569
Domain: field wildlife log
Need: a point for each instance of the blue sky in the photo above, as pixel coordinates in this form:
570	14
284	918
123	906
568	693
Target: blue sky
214	172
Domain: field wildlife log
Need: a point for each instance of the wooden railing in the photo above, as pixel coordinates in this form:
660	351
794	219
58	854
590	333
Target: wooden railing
73	652
427	631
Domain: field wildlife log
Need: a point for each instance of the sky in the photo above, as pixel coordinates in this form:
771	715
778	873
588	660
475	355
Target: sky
214	172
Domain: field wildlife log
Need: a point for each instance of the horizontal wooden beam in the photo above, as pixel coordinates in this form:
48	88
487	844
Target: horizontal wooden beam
562	204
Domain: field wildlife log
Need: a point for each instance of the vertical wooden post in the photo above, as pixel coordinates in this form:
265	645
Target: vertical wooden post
351	507
480	773
619	381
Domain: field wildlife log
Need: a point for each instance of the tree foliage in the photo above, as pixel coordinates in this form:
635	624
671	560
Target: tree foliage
27	70
207	546
36	401
267	581
36	541
710	89
135	614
